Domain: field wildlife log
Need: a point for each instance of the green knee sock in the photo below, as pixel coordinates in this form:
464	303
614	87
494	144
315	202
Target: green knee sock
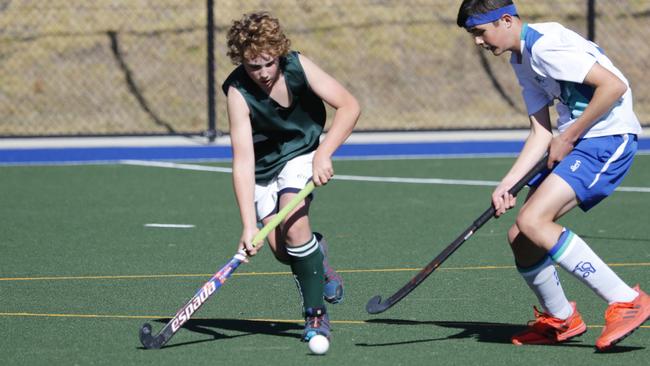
307	268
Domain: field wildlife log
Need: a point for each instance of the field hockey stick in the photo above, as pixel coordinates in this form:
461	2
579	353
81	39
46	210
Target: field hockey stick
149	340
376	306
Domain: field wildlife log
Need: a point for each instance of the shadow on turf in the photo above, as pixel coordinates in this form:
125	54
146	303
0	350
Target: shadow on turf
481	331
247	327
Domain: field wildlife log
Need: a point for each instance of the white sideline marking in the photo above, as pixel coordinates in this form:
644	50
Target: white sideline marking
163	164
633	189
175	226
417	180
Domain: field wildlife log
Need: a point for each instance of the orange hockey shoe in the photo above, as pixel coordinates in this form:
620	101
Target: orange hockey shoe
623	318
546	329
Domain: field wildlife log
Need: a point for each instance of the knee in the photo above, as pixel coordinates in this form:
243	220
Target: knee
297	234
527	223
290	235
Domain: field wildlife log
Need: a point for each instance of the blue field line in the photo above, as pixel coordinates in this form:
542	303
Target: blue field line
112	154
64	155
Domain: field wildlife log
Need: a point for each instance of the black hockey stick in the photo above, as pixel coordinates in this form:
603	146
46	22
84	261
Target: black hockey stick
376	306
150	341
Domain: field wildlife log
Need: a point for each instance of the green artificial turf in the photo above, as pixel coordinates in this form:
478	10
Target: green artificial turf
80	273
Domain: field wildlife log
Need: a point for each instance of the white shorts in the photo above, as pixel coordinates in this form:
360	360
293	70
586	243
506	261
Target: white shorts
292	178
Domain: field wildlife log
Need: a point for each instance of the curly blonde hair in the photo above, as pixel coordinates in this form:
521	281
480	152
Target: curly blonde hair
255	34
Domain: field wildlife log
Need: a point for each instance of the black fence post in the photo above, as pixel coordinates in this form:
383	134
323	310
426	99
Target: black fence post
211	132
591	20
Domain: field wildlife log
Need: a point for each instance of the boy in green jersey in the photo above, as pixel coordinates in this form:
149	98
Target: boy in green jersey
276	112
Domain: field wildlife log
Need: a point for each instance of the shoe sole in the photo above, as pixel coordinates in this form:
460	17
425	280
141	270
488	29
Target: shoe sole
333	301
576	333
618	340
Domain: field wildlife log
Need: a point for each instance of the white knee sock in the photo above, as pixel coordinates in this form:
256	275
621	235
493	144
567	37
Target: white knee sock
542	278
575	256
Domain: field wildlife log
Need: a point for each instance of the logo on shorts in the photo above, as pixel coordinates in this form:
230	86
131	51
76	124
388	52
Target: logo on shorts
585	269
575	166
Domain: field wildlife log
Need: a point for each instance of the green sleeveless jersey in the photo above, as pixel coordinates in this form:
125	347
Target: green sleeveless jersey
280	133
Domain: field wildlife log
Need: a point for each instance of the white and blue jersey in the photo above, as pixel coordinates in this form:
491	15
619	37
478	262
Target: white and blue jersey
553	64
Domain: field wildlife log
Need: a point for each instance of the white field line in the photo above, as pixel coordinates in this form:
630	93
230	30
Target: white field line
163	164
173	226
464	182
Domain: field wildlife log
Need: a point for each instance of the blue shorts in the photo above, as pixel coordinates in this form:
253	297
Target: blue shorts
595	167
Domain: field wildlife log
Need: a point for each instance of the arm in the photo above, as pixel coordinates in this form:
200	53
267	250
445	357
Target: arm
345	118
608	89
534	148
243	166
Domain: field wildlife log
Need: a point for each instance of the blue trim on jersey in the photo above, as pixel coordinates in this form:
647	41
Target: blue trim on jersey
575	96
586	90
529	36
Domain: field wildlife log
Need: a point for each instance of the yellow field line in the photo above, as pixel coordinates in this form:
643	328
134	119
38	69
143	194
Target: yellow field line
283	273
118	277
109	316
264	320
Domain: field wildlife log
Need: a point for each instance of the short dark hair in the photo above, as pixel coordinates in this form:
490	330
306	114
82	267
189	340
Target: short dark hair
471	7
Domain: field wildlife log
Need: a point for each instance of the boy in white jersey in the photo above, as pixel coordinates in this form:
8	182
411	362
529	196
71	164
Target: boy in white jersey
588	158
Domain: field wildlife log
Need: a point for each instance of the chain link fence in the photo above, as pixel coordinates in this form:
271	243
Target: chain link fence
111	67
102	67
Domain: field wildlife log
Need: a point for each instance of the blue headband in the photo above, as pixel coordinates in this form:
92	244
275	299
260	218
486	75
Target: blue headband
490	16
